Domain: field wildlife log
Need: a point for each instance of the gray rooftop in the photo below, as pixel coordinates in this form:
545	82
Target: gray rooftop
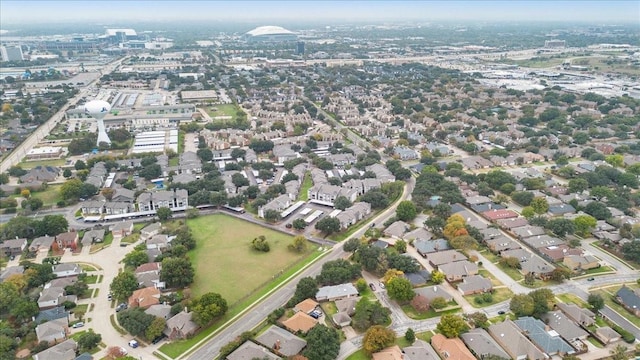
481	344
549	341
289	344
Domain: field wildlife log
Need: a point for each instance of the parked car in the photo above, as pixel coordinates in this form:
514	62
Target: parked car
121	307
501	312
158	339
109	296
373	287
78	325
381	285
590	279
315	314
133	344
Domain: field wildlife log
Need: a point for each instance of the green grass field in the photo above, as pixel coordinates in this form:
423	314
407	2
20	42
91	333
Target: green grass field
307	183
499	295
50	196
225	262
34	163
223	110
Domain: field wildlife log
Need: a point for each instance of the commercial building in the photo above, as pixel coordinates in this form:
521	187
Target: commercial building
270	34
11	53
156	141
45	152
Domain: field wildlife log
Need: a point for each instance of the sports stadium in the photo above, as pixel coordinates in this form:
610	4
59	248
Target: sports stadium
270	34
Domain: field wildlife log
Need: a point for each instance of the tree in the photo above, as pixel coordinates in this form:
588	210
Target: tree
341	203
176	272
619	353
377	338
260	244
208	307
23	310
323	343
437	277
406	211
164	213
67	173
578	185
584	224
135	321
337	272
540	205
88	341
328	225
452	326
307	288
521	305
438	302
401	246
410	335
400	289
205	154
523	198
299	244
136	258
615	160
299	224
464	242
71	189
542	301
560	273
123	285
631	250
351	245
272	215
595	301
561	227
369	313
479	319
80	165
598	210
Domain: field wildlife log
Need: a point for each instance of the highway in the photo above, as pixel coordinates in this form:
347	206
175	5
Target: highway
210	348
16	156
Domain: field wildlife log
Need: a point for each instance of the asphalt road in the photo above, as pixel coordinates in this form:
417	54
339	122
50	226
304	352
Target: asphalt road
211	348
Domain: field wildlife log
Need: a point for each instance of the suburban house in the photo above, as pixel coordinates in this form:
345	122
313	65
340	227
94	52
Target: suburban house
123	195
581	262
511	339
581	316
299	322
444	257
250	350
397	229
607	335
281	341
420	350
160	310
418	234
482	344
66	270
536	266
391	353
629	299
458	270
180	326
11	270
405	153
550	343
432	292
67	239
143	298
52	331
92	236
159	241
41	174
336	292
475	284
567	329
42	243
52	314
64	351
174	200
451	348
148	275
425	247
306	306
92	207
13	247
150	230
121	229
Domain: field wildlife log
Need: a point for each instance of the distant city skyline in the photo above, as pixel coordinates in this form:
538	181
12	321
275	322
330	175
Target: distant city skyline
27	11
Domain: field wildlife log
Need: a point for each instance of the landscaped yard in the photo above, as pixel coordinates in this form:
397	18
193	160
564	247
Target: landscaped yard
108	239
307	183
431	313
572	299
49	197
607	295
498	296
599	270
515	274
225	262
485	273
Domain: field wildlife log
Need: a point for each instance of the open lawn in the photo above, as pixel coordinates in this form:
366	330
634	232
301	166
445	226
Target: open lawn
570	298
223	110
515	274
34	163
108	239
452	308
307	183
498	296
485	273
50	196
225	262
597	271
608	295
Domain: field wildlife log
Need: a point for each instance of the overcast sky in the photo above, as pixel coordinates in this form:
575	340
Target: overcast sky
18	11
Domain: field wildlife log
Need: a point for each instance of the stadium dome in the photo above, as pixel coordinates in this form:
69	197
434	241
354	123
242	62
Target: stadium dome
270	33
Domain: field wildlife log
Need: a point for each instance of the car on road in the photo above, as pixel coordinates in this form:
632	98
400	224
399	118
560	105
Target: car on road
501	312
78	325
373	287
590	279
381	285
109	296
